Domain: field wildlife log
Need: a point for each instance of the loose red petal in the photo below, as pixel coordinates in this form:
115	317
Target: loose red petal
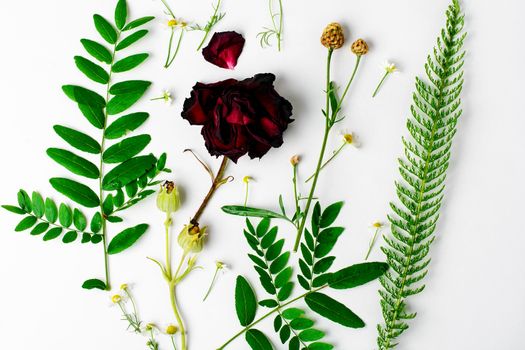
224	49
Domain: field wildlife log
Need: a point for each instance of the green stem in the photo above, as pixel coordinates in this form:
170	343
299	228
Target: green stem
180	323
296	195
176	49
246	194
280	32
321	154
371	245
347	88
380	84
209	27
168	8
211	284
167	224
265	316
101	171
336	153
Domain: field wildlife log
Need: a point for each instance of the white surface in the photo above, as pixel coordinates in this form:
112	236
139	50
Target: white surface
474	296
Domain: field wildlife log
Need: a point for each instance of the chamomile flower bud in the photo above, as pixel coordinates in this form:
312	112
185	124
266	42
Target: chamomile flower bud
168	199
150	327
116	299
124	286
333	36
295	160
389	67
359	47
172	23
220	265
350	139
171	329
191	238
247	179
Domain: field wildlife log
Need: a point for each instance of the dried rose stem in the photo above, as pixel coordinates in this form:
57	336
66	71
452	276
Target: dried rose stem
217	182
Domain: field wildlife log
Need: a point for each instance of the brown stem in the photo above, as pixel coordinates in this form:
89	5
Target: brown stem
217	182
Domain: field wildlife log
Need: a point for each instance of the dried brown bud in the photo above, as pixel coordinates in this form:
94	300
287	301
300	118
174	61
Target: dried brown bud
295	160
333	36
360	47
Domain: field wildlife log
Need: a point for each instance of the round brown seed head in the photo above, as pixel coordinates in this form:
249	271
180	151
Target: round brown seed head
360	47
333	36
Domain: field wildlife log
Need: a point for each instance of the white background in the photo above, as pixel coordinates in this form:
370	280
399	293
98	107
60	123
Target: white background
475	288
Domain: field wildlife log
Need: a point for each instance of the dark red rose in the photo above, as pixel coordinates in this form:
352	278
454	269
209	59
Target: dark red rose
224	49
239	117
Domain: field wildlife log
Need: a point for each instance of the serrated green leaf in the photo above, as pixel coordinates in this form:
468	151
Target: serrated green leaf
25	223
39	228
96	223
121	14
257	340
98	51
65	215
52	234
131	39
330	214
105	29
125	124
333	310
92	70
129	86
78	139
70	237
39	207
79	219
94	284
357	275
130	62
127	172
76	164
240	210
126	238
138	22
14	209
126	149
120	103
76	191
245	301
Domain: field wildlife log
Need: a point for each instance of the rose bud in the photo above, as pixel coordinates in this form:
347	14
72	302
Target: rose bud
239	117
191	238
333	36
224	49
168	199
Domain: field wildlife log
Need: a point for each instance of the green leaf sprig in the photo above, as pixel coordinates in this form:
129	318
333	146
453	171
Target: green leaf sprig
435	113
132	175
276	30
215	18
271	263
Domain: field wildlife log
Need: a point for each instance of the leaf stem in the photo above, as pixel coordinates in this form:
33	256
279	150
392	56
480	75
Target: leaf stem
268	314
380	84
336	153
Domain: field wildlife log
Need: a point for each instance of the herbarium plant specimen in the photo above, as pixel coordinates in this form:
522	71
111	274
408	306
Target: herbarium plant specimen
435	112
131	177
271	261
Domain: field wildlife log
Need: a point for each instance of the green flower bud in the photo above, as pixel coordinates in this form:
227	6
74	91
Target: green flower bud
168	199
191	238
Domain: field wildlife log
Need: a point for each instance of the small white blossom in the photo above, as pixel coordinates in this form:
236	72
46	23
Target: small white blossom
389	67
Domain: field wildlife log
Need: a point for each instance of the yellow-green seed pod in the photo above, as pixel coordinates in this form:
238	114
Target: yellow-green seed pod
191	238
168	199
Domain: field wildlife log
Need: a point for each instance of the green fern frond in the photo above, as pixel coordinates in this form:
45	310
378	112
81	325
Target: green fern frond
435	112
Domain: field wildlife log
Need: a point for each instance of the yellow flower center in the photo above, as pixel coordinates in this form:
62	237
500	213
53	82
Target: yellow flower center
172	23
116	299
377	224
123	286
349	138
247	179
171	329
219	264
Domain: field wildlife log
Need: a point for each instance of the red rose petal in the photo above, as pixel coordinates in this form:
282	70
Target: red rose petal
224	49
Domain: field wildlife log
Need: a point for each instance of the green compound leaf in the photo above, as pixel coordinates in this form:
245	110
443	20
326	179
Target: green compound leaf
129	86
94	284
14	209
257	340
121	14
129	62
65	215
245	301
94	114
333	310
126	149
39	207
78	139
126	238
77	165
105	29
357	275
128	171
92	70
52	234
125	124
330	214
138	22
98	51
76	191
84	96
131	39
51	211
